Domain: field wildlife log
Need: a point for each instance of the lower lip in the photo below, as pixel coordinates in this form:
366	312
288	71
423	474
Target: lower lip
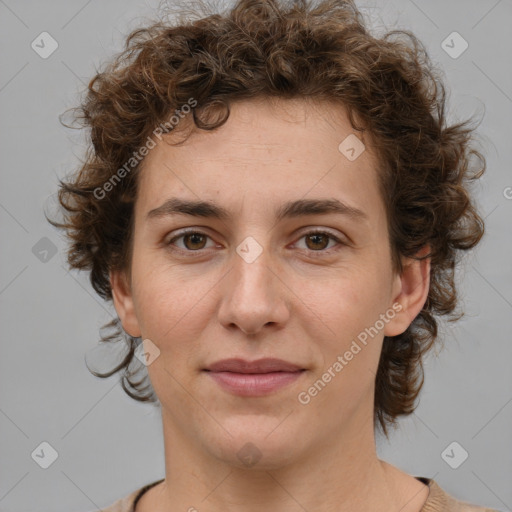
254	384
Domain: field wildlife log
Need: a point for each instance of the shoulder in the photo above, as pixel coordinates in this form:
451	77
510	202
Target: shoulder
127	504
440	501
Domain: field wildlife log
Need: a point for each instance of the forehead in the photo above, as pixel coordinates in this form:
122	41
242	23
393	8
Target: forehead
267	152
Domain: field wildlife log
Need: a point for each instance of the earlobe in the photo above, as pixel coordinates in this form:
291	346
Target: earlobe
123	302
413	286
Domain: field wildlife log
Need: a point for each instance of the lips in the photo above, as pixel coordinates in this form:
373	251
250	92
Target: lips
253	379
267	365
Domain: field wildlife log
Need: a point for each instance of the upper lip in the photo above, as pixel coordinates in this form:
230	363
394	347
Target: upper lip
266	365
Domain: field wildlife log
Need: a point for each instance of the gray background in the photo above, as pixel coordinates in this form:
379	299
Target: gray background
108	445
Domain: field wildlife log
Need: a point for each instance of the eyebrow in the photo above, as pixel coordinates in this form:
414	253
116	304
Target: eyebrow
291	209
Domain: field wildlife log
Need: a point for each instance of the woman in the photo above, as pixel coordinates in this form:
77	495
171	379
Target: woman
275	206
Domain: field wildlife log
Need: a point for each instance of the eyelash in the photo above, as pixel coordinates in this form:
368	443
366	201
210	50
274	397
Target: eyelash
169	244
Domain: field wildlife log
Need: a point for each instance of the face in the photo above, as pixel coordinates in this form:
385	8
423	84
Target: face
301	287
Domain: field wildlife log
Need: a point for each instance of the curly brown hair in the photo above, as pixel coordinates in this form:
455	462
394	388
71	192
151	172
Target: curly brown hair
269	49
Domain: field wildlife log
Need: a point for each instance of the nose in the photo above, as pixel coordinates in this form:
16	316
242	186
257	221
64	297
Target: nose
253	295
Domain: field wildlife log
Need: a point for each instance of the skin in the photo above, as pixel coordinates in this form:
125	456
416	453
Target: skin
302	300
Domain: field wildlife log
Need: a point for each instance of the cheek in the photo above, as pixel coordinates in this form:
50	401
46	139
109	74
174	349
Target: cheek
347	301
158	299
349	313
331	304
346	323
170	304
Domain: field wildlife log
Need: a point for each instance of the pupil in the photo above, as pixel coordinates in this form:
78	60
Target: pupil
316	236
194	237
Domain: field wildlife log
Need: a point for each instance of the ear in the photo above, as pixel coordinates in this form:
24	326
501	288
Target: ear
410	291
123	302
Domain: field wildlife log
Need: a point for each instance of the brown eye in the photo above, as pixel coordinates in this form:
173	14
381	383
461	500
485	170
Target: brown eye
196	241
192	241
318	241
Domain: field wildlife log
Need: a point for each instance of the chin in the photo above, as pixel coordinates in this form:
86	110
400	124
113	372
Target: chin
258	447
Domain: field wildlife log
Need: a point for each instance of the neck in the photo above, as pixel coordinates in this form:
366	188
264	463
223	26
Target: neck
331	476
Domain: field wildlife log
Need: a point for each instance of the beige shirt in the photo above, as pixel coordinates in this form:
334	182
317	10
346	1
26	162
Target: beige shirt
437	500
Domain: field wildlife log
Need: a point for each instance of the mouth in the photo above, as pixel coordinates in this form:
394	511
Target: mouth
257	378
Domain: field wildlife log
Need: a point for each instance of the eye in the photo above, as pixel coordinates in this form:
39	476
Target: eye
317	241
193	240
